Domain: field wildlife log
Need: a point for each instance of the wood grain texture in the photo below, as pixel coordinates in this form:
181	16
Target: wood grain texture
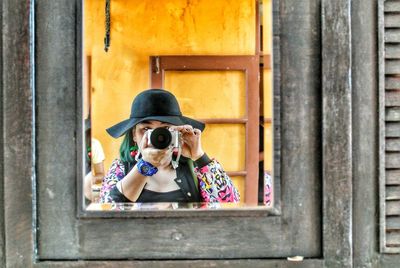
258	263
2	230
18	133
393	223
300	99
56	124
392	51
388	260
389	24
393	192
337	133
392	35
392	130
393	208
393	177
364	126
392	97
392	114
392	66
392	6
393	239
392	82
392	145
392	20
392	160
276	103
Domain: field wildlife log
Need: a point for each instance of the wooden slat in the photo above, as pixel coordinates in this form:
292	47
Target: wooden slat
393	177
224	120
336	132
392	130
392	20
392	35
392	145
392	6
392	208
392	114
392	98
392	160
393	239
236	173
392	66
392	51
393	223
392	83
392	193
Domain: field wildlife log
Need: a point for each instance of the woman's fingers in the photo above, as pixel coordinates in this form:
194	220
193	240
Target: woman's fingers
197	131
157	157
183	128
144	142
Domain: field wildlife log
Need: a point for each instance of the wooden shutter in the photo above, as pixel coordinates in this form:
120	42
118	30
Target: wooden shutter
390	126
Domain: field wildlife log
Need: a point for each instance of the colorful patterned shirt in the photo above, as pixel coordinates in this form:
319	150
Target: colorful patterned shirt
214	184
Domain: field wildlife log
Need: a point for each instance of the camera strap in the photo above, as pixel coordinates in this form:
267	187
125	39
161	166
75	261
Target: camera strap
175	163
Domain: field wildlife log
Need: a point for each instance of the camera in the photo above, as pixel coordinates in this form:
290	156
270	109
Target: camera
162	137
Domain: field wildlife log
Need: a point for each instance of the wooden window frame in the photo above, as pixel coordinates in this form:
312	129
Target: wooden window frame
22	78
159	65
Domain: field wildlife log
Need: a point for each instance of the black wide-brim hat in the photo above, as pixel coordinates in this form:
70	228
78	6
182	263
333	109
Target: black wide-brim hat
154	104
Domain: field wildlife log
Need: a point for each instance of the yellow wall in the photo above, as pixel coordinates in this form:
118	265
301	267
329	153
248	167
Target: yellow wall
141	28
268	93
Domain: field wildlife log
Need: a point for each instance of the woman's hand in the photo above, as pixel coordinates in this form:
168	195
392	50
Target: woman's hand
156	157
191	141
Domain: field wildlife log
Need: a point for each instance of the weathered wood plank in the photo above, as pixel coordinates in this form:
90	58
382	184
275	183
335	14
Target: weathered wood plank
392	130
392	66
392	6
389	260
392	145
392	208
173	238
260	263
392	20
2	139
392	51
392	160
18	134
364	125
392	35
336	128
392	114
297	19
393	239
392	98
393	177
56	102
392	82
393	223
277	108
392	192
300	32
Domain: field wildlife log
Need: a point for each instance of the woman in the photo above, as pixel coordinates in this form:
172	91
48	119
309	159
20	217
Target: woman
181	172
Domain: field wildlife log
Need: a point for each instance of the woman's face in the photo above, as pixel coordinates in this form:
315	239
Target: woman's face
141	128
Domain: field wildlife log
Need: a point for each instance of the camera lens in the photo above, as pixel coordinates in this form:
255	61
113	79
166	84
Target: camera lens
160	138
